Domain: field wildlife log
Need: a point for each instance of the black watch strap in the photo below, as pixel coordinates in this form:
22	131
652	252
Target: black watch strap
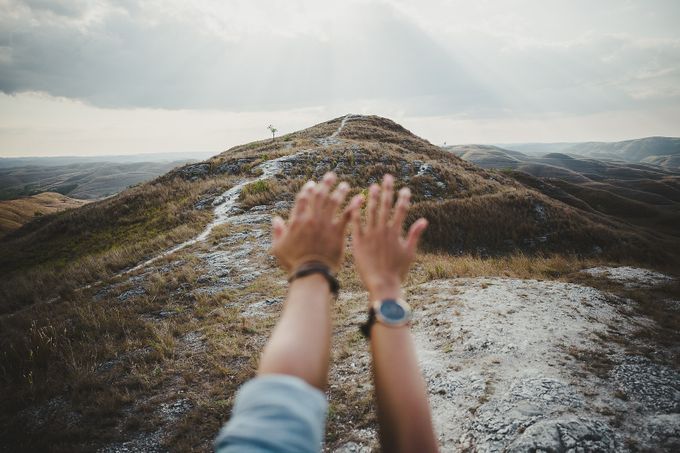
317	268
365	328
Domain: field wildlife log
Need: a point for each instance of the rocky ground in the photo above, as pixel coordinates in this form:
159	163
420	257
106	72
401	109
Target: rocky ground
527	365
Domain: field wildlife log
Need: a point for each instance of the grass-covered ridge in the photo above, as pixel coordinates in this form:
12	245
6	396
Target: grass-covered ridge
61	252
106	363
471	210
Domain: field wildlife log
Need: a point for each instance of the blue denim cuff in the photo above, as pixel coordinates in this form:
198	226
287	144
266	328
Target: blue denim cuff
275	413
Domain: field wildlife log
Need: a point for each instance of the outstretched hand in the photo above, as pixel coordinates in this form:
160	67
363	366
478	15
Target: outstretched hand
314	231
382	253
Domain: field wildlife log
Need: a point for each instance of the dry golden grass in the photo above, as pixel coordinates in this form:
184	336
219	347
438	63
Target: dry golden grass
115	362
433	266
54	255
14	213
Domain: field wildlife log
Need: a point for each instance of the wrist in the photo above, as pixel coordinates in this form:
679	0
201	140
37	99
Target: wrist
313	260
315	280
318	270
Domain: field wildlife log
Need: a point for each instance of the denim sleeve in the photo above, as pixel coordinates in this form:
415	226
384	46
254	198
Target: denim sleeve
275	413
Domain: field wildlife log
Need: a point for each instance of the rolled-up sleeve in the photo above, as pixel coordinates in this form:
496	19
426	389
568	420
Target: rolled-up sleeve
275	413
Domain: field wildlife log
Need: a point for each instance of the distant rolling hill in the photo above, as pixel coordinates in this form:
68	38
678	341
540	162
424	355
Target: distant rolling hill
83	177
664	151
638	193
15	213
663	161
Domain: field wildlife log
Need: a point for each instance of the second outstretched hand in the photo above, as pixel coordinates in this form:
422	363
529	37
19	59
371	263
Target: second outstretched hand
382	253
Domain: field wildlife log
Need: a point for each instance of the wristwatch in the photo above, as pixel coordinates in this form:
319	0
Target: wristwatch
389	312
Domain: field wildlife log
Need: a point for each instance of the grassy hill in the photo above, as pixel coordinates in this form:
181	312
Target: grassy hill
643	195
128	323
471	210
14	213
663	161
657	149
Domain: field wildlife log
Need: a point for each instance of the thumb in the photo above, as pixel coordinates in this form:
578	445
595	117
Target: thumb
278	228
414	233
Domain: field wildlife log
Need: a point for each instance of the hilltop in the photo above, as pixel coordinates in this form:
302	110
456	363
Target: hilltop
127	324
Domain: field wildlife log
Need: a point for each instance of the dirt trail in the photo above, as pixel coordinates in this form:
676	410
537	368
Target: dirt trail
225	204
232	261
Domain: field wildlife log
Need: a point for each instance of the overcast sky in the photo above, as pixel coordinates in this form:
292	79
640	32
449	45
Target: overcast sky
117	77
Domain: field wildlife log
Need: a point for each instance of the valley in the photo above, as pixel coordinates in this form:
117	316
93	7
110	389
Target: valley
84	177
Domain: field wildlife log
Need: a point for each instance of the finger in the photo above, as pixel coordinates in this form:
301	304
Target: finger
401	208
337	198
414	234
356	222
322	190
278	228
386	200
351	209
372	205
303	199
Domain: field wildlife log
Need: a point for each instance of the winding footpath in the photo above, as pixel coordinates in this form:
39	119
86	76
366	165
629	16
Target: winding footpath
224	207
225	204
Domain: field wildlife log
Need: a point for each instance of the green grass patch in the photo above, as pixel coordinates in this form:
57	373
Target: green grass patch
255	188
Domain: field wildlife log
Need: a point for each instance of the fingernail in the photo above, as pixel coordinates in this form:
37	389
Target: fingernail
343	186
309	184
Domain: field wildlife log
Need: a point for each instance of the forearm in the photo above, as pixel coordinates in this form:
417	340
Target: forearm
403	409
300	343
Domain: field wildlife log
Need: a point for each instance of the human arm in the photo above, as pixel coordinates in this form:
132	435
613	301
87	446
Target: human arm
383	256
300	343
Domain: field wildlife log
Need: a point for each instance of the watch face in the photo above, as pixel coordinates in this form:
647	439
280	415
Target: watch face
392	311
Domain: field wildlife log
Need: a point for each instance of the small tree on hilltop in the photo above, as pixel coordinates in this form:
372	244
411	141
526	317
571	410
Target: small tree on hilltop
273	130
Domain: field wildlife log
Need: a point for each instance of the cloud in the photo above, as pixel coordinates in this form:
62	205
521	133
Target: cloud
131	60
63	8
487	59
